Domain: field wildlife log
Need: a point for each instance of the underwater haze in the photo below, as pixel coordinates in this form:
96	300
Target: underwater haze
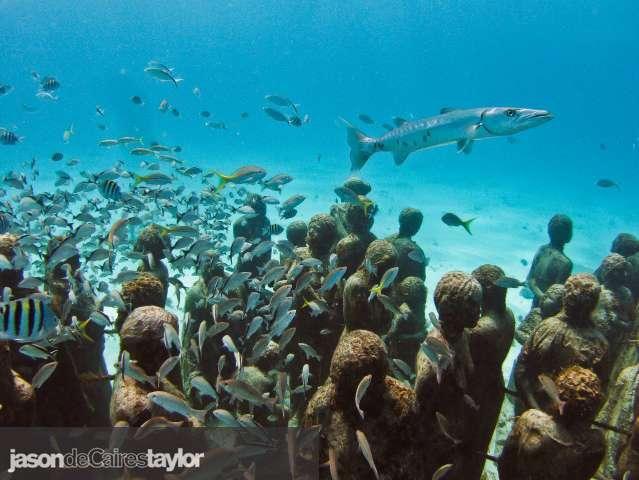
329	64
338	59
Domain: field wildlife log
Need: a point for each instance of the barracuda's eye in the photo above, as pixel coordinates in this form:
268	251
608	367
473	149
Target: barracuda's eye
510	112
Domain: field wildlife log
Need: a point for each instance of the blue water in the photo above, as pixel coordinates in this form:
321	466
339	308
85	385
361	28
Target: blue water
577	59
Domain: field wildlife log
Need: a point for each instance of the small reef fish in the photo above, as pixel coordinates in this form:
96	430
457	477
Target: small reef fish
387	280
7	137
365	448
110	190
173	404
155	424
607	183
247	174
204	388
153	179
27	320
444	427
276	182
162	73
453	220
279	100
246	392
43	374
461	127
167	367
362	387
275	114
5	90
332	279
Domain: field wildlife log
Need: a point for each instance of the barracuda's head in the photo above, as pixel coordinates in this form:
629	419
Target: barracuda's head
509	120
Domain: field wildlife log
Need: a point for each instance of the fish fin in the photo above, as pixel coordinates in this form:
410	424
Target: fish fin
466	225
138	180
399	157
223	180
447	110
465	145
362	146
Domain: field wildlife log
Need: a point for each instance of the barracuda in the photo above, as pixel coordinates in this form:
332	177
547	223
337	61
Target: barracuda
461	127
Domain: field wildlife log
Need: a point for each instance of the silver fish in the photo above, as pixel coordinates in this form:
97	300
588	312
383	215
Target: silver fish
366	451
362	387
461	127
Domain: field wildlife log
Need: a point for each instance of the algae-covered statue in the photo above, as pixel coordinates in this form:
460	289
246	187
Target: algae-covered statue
152	243
384	414
359	311
444	371
551	265
143	336
569	338
559	444
321	235
490	341
549	306
408	329
411	259
614	314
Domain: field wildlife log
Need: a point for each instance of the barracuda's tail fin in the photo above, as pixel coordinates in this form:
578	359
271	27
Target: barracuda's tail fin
362	146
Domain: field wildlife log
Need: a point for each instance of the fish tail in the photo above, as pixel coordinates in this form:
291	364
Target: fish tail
224	179
138	180
362	146
466	225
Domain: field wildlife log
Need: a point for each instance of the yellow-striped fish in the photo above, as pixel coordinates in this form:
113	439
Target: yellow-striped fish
26	320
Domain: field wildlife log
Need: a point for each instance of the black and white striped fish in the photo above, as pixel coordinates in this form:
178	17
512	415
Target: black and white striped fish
26	320
110	190
7	137
49	84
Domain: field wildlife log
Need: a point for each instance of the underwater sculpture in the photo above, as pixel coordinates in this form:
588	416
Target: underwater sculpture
451	126
627	245
359	311
558	446
549	306
145	289
320	238
551	265
152	244
386	417
490	341
567	339
443	372
411	260
619	409
351	248
296	232
408	329
143	336
614	314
